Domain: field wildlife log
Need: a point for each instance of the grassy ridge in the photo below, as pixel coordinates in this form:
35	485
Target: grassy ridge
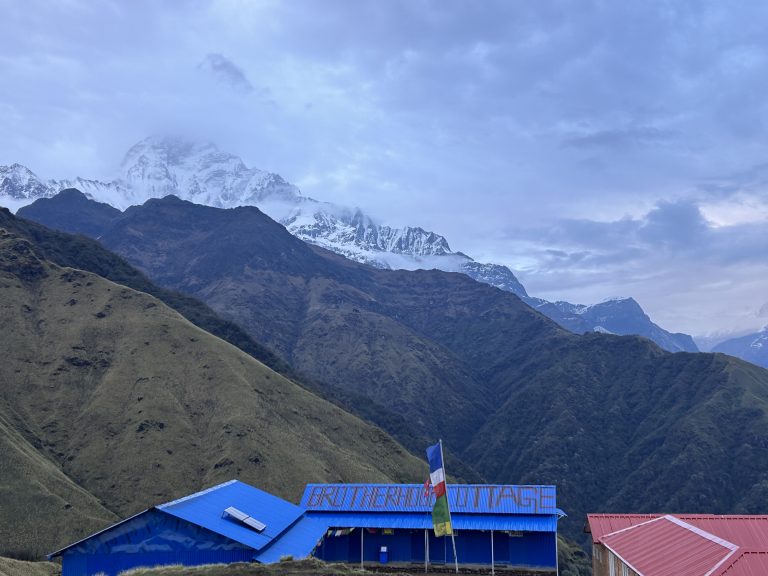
76	251
39	502
135	405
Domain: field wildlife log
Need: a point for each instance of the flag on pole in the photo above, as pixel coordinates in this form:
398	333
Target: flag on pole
441	516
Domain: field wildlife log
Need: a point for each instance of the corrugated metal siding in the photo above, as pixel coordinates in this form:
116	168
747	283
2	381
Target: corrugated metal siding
154	531
529	550
74	564
149	539
462	498
517	522
663	546
302	538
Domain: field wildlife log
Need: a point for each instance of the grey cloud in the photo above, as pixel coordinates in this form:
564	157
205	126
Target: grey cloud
670	232
224	70
619	138
674	225
467	118
752	180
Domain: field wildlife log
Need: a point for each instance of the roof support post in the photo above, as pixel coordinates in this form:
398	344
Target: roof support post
493	569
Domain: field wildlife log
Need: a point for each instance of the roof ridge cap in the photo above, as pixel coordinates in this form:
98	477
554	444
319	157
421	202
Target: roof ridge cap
701	532
631	527
195	495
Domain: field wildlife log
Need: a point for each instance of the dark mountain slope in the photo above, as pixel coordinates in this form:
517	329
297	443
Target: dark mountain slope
511	392
87	254
298	299
83	216
620	425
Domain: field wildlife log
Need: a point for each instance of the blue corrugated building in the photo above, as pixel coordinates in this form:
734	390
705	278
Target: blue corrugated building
235	522
510	525
194	530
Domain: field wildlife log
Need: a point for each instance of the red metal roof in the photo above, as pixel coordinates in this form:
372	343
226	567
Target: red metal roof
666	546
602	524
750	532
686	544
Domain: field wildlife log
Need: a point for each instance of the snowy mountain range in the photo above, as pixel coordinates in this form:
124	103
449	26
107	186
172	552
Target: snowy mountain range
752	347
201	173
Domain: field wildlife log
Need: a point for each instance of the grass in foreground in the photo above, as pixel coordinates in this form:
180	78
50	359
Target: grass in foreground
11	567
309	567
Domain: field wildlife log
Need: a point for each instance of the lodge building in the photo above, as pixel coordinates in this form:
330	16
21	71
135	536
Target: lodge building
495	525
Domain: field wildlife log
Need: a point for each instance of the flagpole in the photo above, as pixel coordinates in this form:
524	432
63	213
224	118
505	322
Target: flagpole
453	538
426	530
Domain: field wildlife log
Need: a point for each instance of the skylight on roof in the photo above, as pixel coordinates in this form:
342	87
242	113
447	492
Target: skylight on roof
242	517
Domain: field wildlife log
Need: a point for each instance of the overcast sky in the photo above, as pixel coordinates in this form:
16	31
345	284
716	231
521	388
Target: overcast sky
599	148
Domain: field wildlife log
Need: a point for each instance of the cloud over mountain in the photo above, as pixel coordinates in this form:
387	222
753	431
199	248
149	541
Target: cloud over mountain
224	70
484	120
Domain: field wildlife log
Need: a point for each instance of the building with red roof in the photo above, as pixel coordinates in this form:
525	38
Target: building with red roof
678	545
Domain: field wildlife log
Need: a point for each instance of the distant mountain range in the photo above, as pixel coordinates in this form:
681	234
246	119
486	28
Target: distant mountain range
157	167
616	422
752	347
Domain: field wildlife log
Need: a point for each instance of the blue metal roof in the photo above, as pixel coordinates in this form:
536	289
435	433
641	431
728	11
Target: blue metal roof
298	541
462	498
206	509
518	522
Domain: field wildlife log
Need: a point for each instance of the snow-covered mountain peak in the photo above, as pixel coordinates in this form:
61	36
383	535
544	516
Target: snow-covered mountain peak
201	173
20	183
170	150
159	166
617	299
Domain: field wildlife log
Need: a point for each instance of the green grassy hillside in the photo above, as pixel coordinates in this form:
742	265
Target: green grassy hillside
38	501
135	405
84	253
